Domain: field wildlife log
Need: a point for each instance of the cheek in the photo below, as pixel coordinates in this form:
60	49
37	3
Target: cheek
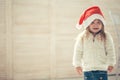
100	27
90	27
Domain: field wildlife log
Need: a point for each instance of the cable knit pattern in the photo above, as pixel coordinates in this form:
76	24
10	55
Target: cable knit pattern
91	55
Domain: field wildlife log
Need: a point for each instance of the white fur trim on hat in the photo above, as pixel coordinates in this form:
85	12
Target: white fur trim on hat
90	19
79	26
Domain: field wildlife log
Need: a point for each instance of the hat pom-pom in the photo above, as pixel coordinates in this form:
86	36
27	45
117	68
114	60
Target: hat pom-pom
78	26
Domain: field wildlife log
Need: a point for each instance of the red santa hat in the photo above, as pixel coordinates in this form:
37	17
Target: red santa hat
89	16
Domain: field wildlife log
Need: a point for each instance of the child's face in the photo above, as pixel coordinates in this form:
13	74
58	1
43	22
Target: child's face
95	26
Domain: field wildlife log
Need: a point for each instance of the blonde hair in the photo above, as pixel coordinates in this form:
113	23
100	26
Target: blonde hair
102	34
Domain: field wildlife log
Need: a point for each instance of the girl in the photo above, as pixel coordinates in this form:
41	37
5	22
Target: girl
94	52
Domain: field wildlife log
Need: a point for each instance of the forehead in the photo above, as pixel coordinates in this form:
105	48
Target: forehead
97	20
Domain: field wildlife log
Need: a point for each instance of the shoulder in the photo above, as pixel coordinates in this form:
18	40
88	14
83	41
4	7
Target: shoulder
108	35
80	35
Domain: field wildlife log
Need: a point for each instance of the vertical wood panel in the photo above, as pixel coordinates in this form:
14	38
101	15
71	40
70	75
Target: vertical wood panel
52	25
31	40
2	41
9	39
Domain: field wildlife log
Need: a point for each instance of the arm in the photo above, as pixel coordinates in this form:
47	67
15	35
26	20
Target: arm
110	49
78	53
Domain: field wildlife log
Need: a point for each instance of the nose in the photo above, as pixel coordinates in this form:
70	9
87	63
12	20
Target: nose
96	25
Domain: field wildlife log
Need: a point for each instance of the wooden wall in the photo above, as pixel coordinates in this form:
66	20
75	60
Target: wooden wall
38	36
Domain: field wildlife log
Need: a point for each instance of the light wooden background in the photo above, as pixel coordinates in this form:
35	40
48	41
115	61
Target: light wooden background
37	36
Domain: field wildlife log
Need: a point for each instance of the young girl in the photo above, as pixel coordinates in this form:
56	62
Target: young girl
94	52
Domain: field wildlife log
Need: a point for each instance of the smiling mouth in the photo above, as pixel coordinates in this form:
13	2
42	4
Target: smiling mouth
95	28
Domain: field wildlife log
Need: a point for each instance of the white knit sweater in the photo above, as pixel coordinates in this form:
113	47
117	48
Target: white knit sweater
90	54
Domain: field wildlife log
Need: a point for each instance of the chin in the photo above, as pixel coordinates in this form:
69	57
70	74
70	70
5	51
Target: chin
95	31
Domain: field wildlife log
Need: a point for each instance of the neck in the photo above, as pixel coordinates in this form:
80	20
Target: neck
94	34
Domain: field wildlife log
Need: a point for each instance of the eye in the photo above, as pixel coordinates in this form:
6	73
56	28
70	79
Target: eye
92	23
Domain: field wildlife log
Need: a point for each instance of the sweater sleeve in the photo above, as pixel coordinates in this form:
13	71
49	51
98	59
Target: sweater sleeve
78	52
110	49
